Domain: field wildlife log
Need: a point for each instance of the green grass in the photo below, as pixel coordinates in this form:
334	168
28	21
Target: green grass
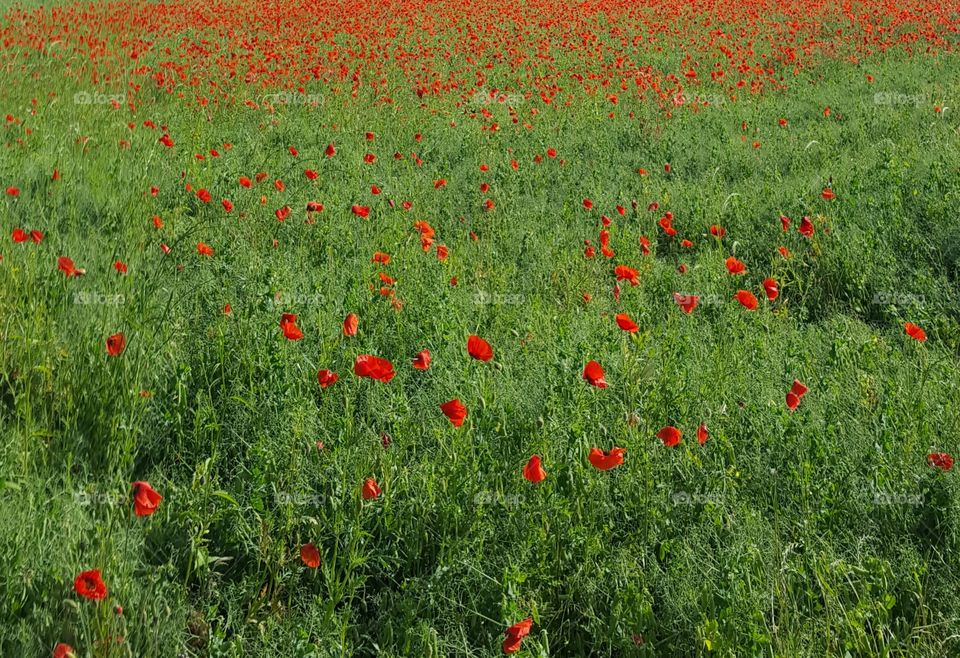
820	532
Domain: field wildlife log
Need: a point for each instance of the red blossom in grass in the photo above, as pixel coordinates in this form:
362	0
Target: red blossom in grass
145	499
606	460
533	471
310	556
63	650
90	585
288	325
373	367
422	360
940	460
593	374
116	344
479	349
515	635
670	436
914	332
455	411
350	324
370	489
326	377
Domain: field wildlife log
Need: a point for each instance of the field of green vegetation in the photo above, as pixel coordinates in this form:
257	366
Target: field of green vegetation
146	337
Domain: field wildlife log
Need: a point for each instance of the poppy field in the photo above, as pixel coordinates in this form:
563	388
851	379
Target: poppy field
427	328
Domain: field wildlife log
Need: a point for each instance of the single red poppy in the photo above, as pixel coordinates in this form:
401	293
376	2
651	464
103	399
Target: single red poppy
350	324
422	360
455	411
90	585
670	436
515	635
145	499
116	344
373	367
479	349
606	460
310	556
915	332
593	373
288	325
747	299
533	471
625	323
327	377
370	489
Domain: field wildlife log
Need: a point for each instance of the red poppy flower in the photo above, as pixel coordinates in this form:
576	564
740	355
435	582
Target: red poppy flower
588	204
593	373
735	266
204	249
479	349
120	267
515	635
19	235
90	585
533	471
380	257
771	288
310	556
785	223
455	411
204	195
350	324
116	344
605	461
625	323
806	227
227	205
717	230
245	182
370	489
327	377
63	650
670	436
625	273
288	325
360	211
796	392
145	499
828	194
373	367
914	332
747	299
702	433
941	460
330	151
686	302
68	268
422	360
